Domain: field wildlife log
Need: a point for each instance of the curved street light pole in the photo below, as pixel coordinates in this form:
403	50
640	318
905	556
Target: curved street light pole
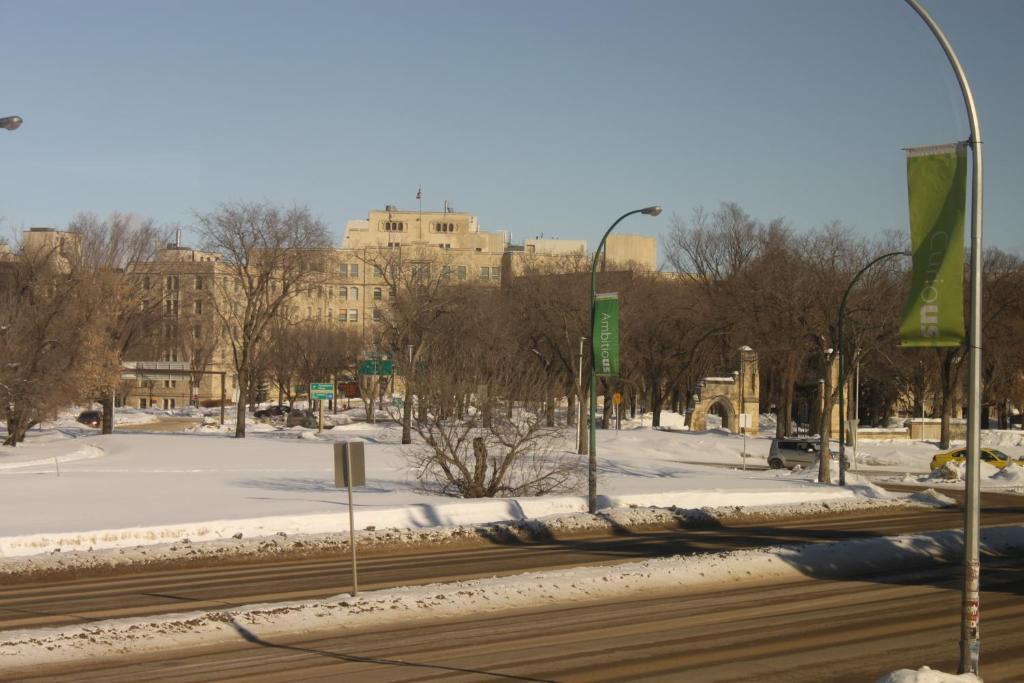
842	362
970	639
11	122
592	464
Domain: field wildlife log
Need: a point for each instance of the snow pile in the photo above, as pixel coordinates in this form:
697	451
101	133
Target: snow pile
1011	475
25	648
239	546
926	675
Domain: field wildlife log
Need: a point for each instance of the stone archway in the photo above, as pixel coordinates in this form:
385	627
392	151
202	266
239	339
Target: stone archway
721	407
729	397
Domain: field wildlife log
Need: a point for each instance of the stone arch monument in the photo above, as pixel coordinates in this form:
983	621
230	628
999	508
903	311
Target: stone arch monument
730	396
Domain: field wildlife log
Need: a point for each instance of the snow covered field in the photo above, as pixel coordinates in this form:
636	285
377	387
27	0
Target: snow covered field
130	489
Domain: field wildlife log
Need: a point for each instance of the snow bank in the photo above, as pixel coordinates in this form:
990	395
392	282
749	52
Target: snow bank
24	648
239	547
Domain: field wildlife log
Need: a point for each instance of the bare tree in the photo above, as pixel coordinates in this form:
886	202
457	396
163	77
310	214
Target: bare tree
54	349
270	257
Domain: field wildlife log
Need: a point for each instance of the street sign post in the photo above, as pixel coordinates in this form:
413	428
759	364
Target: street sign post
321	392
744	425
349	471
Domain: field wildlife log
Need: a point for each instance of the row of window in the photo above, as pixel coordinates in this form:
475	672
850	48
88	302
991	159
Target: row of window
169	403
349	270
444	227
394	226
173	282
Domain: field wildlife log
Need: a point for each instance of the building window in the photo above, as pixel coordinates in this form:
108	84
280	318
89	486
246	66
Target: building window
343	292
353	270
172	283
394	226
378	272
171	306
490	273
330	315
392	292
197	332
444	227
169	404
343	269
446	272
199	281
353	315
198	307
170	383
378	294
142	404
377	316
462	272
145	282
355	294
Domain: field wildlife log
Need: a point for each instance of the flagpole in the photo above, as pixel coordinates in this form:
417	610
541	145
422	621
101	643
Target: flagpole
970	638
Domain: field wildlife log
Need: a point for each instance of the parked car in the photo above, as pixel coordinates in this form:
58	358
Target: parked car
301	418
788	453
992	456
273	411
91	418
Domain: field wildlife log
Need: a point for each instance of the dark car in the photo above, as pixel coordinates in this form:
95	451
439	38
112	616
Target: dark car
273	411
91	418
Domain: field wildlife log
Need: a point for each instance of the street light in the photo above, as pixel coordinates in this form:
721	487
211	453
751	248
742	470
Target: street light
592	467
842	362
11	122
970	638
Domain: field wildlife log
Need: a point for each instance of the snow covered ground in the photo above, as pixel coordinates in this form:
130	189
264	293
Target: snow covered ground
129	489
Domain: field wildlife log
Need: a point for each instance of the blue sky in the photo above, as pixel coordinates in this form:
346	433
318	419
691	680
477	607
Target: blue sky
538	117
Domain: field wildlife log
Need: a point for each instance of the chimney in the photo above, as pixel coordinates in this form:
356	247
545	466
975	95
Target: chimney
177	239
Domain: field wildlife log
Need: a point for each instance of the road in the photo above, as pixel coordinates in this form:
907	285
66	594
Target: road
53	603
798	632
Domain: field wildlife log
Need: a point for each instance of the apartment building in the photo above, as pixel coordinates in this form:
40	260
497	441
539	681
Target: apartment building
355	293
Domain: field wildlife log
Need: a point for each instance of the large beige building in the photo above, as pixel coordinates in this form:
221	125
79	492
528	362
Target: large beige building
354	296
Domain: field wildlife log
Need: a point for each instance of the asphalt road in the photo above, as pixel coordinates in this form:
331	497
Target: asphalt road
53	603
800	632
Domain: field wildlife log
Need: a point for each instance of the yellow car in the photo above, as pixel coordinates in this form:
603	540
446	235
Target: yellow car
993	457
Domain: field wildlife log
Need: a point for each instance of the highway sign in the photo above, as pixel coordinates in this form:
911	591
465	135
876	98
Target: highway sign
321	392
376	367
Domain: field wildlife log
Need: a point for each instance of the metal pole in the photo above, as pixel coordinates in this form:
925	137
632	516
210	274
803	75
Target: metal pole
592	464
970	639
842	363
581	420
856	412
351	525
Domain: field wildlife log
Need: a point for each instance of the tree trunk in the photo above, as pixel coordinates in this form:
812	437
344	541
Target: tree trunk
243	394
570	409
407	413
107	423
656	401
549	409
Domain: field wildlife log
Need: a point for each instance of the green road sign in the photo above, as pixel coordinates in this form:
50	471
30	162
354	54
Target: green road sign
376	367
321	392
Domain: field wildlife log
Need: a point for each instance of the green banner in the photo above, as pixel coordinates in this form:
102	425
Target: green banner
606	334
937	188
